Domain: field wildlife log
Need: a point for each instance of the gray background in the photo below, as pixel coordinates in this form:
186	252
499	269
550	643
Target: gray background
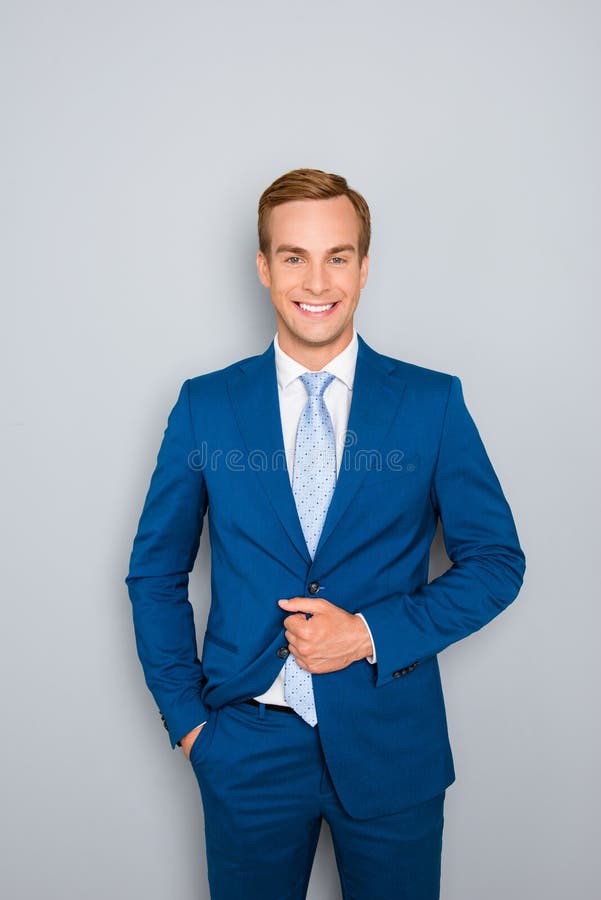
137	137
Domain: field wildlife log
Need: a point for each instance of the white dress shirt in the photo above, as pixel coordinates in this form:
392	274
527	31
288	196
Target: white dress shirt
293	399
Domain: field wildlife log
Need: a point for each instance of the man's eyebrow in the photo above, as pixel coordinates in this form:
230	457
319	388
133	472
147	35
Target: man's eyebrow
288	248
300	251
343	248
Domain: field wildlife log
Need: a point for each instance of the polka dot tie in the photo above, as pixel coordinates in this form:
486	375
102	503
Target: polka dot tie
313	483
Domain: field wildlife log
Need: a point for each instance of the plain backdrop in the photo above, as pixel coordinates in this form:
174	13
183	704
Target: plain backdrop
137	136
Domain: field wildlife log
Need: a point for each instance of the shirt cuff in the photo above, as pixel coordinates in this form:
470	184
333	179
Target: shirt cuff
371	659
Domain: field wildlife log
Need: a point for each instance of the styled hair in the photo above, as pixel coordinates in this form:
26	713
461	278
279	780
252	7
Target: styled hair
311	184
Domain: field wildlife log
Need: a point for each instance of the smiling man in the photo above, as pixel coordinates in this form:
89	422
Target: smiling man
317	694
315	273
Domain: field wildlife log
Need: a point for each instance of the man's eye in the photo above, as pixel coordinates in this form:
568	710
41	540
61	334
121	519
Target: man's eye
337	259
293	259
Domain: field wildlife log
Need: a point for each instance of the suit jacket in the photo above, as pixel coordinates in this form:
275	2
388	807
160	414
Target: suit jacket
412	455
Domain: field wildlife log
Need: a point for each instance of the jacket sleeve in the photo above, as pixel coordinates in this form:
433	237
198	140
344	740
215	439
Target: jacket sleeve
163	555
481	541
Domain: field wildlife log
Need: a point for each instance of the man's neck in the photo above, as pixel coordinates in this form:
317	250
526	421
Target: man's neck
313	357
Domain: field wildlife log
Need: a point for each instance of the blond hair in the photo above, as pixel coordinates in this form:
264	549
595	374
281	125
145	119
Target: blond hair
311	184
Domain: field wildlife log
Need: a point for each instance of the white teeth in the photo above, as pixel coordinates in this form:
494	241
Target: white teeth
310	308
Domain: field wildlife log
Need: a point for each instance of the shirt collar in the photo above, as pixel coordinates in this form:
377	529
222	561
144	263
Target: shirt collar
342	366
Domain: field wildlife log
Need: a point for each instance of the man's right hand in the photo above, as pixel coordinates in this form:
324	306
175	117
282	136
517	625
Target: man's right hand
188	739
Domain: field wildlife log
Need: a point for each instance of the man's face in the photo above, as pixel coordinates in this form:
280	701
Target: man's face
314	273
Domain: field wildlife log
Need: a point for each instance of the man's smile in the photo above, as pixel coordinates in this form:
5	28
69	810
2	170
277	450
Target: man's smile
316	310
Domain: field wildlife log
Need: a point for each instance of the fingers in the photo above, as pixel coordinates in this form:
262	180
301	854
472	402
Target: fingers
301	633
298	659
298	626
301	661
300	646
318	666
302	604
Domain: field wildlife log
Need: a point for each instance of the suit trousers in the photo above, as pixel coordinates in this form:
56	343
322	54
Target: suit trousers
265	788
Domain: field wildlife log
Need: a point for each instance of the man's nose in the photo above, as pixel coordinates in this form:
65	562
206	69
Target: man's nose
316	279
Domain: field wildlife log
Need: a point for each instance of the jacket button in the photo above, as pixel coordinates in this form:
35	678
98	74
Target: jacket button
282	652
396	674
314	587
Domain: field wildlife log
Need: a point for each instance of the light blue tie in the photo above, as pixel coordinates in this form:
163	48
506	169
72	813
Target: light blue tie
313	483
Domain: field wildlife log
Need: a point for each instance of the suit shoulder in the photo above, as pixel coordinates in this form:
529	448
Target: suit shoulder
407	371
218	379
430	381
420	378
422	374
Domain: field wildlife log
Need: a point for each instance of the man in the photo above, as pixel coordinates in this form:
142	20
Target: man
324	467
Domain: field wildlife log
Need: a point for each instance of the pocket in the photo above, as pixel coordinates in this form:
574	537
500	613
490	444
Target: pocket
201	745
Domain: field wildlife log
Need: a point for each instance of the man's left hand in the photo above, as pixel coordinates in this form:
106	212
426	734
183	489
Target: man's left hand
331	639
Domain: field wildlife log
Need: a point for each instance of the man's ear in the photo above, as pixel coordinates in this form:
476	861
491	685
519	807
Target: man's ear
364	268
263	269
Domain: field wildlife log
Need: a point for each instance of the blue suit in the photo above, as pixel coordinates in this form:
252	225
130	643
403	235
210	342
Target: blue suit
413	455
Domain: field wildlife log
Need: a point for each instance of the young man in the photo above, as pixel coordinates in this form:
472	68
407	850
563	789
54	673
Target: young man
324	467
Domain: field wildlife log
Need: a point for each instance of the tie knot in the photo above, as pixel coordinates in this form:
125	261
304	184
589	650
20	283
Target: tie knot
316	382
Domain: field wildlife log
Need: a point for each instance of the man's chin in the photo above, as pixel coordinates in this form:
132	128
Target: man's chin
317	345
319	336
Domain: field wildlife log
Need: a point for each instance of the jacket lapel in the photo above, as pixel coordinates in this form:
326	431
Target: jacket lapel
253	391
377	393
